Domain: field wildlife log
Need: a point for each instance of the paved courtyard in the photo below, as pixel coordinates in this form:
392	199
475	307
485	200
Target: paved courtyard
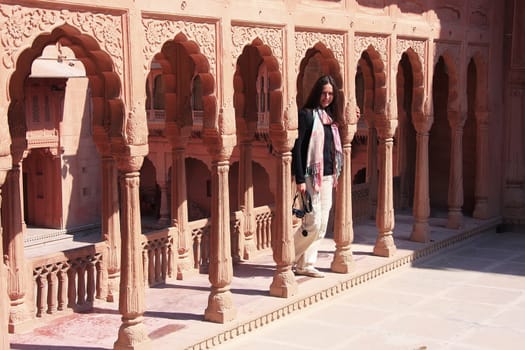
463	290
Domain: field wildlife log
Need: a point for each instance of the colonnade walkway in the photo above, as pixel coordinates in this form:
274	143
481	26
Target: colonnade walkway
463	290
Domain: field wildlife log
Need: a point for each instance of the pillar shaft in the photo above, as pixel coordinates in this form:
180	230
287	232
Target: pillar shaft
4	304
384	245
179	211
12	222
343	260
421	208
481	210
132	333
455	183
220	304
246	201
111	225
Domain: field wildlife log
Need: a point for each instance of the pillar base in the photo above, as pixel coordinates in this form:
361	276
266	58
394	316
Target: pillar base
420	232
481	210
132	335
220	307
343	261
249	250
385	246
113	288
284	284
455	219
20	319
164	221
185	268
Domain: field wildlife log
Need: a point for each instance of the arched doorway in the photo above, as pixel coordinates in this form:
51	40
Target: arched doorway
469	142
440	138
404	167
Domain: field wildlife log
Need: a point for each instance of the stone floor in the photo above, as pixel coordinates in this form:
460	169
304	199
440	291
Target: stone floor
174	316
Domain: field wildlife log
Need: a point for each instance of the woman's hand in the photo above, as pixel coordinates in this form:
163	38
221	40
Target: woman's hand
301	188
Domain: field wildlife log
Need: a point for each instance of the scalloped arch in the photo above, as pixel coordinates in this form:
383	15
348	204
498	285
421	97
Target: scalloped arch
264	56
453	93
104	82
329	65
418	92
181	61
373	70
482	84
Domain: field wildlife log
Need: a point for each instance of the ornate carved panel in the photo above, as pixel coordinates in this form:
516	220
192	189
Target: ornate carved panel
21	24
479	13
448	14
244	35
361	43
306	40
451	49
158	31
417	45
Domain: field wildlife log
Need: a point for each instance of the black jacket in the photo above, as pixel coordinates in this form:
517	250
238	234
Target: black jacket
300	148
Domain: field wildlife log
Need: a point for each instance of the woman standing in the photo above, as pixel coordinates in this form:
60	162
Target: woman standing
317	162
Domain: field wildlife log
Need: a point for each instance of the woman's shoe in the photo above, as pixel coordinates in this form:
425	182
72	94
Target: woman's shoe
309	271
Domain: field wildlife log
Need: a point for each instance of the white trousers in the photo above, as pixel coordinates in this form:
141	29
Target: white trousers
316	222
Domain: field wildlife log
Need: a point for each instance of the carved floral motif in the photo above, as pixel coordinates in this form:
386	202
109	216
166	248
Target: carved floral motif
157	32
306	40
244	35
20	24
379	43
402	45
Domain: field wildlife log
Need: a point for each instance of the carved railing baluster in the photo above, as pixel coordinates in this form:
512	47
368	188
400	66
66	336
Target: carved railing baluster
52	289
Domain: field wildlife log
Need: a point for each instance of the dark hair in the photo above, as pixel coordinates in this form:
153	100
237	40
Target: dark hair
315	96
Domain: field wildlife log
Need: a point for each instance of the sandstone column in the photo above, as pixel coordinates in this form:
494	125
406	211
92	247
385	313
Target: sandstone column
12	222
384	245
179	208
343	260
220	304
371	168
455	182
246	199
421	206
284	284
111	224
132	332
481	210
4	305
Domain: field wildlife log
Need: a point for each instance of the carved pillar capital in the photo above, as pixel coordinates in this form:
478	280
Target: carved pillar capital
422	122
386	128
129	164
282	140
456	119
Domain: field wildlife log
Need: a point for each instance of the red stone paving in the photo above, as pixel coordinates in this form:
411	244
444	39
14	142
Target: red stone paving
174	316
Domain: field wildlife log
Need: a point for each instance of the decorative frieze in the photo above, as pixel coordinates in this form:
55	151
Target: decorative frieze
362	42
19	26
402	45
244	35
305	40
159	31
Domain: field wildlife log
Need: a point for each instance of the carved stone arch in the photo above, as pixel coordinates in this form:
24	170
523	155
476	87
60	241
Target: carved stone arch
418	92
329	65
181	61
248	63
373	70
453	93
482	83
105	85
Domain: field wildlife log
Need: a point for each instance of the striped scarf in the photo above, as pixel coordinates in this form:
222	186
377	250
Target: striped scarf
314	159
